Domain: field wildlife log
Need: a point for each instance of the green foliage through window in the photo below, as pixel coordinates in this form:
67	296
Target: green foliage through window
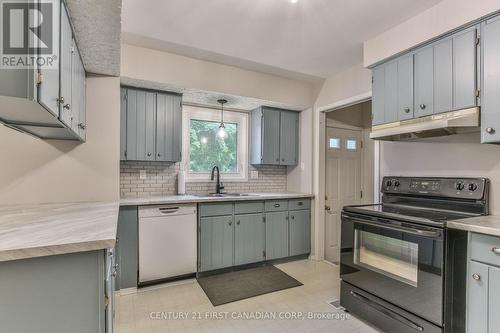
206	149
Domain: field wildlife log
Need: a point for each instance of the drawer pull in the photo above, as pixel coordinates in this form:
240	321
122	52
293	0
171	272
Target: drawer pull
476	276
300	203
496	250
277	205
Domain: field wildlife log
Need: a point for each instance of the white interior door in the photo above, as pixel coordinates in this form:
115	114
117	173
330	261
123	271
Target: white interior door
343	182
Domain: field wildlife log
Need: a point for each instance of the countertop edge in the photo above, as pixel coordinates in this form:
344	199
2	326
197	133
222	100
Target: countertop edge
487	225
58	249
146	201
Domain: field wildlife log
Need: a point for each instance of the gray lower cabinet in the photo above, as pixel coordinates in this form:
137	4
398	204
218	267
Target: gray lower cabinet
483	284
240	233
54	294
127	248
274	136
276	235
300	232
249	239
490	86
151	125
216	242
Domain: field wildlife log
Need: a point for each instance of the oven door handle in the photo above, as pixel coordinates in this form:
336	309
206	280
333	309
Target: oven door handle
413	231
388	312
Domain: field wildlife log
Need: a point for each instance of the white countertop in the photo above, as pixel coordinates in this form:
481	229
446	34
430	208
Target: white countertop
28	231
179	199
489	224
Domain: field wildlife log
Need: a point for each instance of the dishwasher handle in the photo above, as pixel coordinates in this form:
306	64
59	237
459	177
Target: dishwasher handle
168	210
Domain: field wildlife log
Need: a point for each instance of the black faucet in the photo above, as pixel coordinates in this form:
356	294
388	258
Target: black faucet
218	186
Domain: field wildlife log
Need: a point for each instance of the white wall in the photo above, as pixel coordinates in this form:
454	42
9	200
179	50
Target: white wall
299	178
167	68
453	156
354	81
37	171
437	20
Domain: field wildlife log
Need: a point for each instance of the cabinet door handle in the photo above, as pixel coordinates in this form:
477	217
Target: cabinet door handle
61	100
490	130
149	154
476	276
282	160
293	217
407	110
238	222
422	106
277	160
230	223
82	126
159	155
496	250
67	106
300	203
277	205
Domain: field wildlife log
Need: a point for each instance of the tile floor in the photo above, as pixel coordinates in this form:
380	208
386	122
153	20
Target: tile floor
160	309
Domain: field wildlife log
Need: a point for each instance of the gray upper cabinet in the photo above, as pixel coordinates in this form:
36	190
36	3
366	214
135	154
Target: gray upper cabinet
465	69
378	92
151	125
289	130
391	96
405	87
140	125
424	82
443	76
48	102
490	85
168	127
439	77
274	136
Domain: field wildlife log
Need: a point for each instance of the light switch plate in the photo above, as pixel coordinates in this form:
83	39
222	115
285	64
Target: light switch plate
254	174
142	174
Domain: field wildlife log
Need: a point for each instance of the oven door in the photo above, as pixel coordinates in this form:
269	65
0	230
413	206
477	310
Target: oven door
399	262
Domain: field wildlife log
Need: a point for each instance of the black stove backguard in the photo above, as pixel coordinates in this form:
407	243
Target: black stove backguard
403	275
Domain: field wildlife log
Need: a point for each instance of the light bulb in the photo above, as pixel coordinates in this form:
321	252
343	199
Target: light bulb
293	1
221	132
204	140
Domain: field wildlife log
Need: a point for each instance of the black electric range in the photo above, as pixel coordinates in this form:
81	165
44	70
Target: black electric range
401	268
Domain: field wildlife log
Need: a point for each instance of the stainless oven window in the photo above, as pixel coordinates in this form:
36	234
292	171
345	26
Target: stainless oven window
389	256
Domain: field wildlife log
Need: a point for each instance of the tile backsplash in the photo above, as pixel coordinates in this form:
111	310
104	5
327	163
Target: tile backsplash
161	179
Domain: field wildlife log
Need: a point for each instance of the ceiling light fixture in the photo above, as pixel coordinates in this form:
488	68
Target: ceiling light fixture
221	132
293	1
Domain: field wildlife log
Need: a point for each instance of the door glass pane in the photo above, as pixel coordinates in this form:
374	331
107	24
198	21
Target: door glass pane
334	143
392	257
351	144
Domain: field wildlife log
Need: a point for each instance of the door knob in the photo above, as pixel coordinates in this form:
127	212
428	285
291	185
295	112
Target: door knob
422	106
476	276
328	208
490	130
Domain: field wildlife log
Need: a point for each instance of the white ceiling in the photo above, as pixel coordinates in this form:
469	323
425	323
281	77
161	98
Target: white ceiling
311	39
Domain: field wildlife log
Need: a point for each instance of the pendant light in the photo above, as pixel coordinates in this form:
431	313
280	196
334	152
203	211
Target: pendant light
221	132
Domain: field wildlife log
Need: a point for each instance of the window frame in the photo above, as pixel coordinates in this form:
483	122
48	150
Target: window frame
209	114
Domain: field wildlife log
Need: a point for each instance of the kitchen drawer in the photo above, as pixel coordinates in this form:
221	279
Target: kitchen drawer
216	209
276	205
296	204
248	207
481	249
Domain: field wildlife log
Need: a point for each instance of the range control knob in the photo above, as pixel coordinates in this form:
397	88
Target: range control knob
388	183
396	183
460	186
472	187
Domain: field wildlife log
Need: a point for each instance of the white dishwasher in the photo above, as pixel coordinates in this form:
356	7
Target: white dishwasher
167	242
